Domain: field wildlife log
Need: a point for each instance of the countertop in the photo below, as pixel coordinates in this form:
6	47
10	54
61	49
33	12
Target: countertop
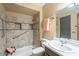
75	53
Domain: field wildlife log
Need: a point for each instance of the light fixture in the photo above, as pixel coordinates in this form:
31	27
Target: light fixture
71	5
76	3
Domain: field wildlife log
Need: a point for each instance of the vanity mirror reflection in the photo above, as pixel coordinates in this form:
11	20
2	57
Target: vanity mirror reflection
67	22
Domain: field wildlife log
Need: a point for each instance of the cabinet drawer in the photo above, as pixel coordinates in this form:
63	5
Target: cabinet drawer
50	53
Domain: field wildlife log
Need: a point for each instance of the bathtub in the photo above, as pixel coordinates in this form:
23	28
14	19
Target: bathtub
29	51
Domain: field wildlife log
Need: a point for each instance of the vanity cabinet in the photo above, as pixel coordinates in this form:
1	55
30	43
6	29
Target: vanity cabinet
48	52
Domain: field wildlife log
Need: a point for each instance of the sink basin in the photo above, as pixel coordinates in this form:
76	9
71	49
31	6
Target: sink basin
57	45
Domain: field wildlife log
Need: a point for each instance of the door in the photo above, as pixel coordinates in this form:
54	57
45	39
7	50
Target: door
65	27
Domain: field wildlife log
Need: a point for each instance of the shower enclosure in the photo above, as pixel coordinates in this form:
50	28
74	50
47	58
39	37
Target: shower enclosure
18	30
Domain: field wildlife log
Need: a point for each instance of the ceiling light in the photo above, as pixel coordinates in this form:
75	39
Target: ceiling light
71	5
76	3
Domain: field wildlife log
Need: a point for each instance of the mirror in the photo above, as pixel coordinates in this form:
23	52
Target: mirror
67	22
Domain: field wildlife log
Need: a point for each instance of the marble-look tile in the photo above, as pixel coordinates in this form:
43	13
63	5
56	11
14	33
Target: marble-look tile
23	40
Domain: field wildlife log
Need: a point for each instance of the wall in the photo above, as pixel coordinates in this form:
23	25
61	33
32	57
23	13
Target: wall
17	36
18	17
37	8
37	17
50	10
2	36
30	5
11	32
36	34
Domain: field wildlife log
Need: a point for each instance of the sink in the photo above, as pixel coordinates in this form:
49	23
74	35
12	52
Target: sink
63	48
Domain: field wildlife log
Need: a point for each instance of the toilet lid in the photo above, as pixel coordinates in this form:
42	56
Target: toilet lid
38	50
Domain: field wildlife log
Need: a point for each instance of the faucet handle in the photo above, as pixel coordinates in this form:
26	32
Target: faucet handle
63	40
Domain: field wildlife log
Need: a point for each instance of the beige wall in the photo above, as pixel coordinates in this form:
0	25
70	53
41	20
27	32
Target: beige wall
48	11
30	5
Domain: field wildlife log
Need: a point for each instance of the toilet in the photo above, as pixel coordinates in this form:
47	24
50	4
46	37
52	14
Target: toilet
39	51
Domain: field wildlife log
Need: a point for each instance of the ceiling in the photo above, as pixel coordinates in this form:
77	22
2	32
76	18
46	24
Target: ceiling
39	4
20	9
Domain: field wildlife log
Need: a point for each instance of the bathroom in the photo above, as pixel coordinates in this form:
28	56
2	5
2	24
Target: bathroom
37	27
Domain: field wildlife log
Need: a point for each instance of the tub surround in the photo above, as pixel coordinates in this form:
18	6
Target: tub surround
18	29
19	32
2	36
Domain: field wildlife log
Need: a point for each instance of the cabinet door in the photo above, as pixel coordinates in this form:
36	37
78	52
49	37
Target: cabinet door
48	52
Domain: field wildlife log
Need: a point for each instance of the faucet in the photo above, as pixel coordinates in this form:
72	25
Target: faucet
63	41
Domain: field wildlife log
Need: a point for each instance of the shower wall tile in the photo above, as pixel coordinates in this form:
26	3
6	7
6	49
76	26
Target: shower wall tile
36	40
12	26
21	18
2	43
23	40
18	38
9	37
2	36
26	26
0	24
36	36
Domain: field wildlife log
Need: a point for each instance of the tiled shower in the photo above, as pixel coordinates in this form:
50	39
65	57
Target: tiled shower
18	30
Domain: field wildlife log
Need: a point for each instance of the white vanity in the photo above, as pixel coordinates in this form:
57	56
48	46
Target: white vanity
61	47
